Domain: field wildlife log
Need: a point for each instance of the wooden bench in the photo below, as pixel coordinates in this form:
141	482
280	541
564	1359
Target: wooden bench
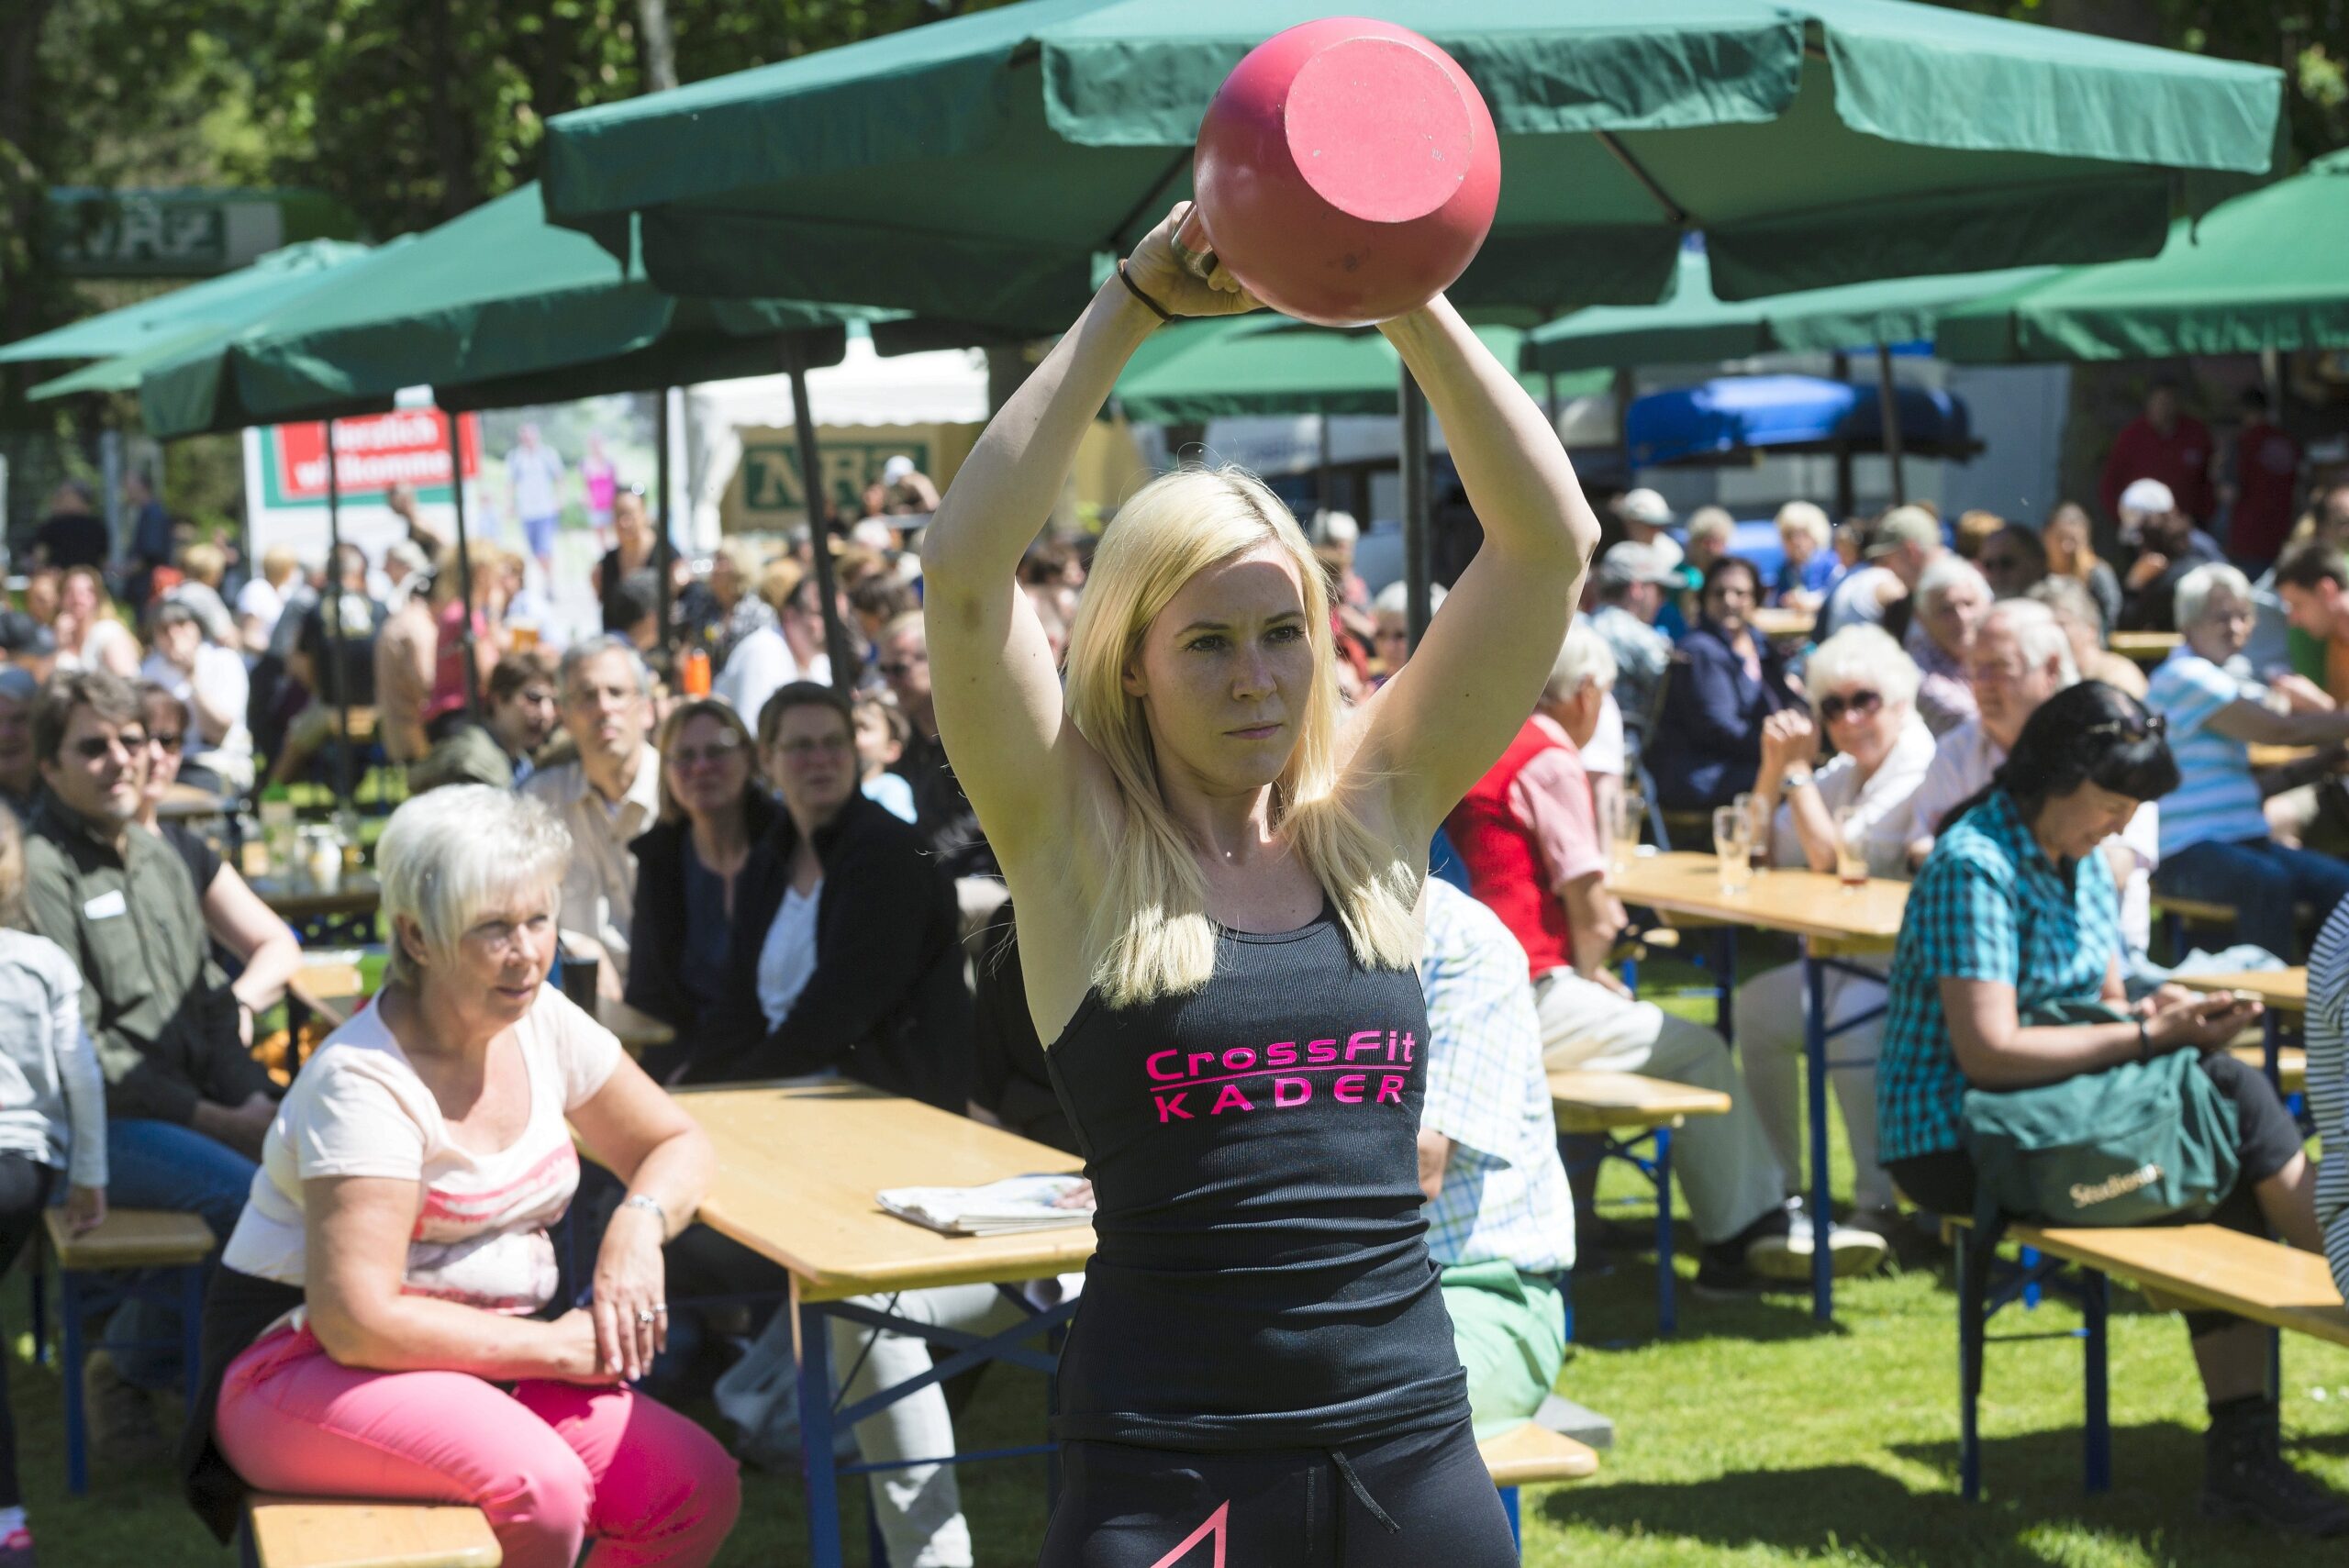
127	1239
2175	914
1623	1110
1528	1454
2184	1267
317	1532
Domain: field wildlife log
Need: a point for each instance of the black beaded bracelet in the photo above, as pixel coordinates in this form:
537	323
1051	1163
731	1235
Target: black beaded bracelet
1134	289
2145	1042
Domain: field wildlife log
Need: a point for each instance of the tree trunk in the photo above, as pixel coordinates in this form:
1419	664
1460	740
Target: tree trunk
660	45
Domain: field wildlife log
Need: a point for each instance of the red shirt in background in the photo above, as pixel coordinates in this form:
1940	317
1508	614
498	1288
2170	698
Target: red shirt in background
2267	478
2180	460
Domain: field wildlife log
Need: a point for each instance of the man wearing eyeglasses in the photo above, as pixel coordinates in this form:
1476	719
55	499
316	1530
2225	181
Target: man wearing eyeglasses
186	1106
606	798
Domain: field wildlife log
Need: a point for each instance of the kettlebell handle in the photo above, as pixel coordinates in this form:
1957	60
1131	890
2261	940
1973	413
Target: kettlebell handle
1193	252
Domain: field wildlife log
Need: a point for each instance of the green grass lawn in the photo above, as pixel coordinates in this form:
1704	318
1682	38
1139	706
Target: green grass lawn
1752	1438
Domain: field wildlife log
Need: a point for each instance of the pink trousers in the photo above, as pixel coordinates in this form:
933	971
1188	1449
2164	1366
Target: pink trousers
551	1464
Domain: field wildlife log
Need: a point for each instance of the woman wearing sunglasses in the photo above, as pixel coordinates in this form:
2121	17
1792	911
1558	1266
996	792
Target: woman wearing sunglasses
234	915
714	812
1863	690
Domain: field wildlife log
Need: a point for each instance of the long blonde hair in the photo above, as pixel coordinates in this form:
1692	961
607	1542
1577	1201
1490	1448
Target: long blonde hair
1149	924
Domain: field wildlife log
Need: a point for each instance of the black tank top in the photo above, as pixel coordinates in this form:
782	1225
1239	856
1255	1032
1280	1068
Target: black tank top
1261	1279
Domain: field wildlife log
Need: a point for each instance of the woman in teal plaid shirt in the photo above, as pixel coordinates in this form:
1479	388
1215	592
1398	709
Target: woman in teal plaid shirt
2015	911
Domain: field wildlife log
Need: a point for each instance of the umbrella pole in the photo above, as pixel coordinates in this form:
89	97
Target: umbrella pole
465	570
1840	369
1889	400
334	628
1322	475
1623	390
663	550
811	483
1414	410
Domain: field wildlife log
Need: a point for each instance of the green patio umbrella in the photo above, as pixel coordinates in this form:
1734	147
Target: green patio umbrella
974	169
1268	364
1695	325
496	308
230	300
2263	270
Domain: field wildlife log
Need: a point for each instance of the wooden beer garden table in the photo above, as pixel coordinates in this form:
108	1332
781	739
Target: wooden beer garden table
1837	923
1776	624
2284	994
2144	646
798	1166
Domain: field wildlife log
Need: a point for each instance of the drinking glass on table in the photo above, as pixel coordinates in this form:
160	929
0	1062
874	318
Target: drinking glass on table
1850	850
1758	829
1629	815
1732	840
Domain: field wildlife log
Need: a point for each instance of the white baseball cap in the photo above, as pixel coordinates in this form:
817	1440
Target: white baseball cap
1643	505
895	469
2147	497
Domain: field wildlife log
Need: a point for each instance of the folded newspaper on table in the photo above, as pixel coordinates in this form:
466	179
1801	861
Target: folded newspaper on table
1000	1208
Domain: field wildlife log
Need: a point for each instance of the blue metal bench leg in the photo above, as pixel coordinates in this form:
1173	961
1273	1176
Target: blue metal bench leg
192	1329
1973	1289
1667	1303
1516	1527
2029	1259
815	1459
2094	1301
876	1550
77	1452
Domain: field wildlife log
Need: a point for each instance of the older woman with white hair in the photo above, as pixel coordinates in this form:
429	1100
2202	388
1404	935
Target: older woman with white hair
1951	599
1811	568
1863	689
2215	843
377	1326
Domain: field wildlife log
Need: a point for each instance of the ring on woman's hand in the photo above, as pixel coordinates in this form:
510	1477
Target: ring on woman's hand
648	1314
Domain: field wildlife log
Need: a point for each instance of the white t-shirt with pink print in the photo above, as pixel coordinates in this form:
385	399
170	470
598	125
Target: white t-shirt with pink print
359	1109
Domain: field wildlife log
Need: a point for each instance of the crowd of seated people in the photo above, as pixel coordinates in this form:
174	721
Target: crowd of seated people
788	874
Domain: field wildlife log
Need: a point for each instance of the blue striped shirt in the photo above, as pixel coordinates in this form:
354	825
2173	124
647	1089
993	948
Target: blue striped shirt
1504	1195
1987	906
2217	800
2328	1084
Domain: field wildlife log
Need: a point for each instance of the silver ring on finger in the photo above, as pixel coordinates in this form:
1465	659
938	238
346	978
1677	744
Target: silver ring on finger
645	1317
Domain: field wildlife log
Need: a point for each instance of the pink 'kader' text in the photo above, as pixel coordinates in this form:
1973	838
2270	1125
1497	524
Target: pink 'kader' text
1371	1067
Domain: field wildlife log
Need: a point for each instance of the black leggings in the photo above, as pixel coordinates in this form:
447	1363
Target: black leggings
24	1193
2267	1139
1416	1501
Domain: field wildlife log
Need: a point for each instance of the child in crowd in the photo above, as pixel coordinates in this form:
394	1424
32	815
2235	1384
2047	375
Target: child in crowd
882	731
53	1123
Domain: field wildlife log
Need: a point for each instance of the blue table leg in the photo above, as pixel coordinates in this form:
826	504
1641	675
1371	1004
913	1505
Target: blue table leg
1822	1262
2092	1304
2271	1042
1667	1305
815	1459
1516	1529
77	1438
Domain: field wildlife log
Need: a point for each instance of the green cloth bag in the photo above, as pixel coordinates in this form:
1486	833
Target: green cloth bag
2136	1144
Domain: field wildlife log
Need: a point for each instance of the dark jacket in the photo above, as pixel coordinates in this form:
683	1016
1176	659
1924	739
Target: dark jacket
159	1012
887	1005
1008	1074
1708	741
656	980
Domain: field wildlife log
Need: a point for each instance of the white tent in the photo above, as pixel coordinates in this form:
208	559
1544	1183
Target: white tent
948	386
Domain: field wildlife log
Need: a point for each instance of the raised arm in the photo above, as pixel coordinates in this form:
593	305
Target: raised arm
998	697
1437	725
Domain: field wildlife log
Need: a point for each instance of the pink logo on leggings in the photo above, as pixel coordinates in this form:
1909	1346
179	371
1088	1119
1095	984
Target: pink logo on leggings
1212	1530
1369	1067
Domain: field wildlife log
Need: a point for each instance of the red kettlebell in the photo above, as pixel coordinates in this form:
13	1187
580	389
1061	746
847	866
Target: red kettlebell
1346	172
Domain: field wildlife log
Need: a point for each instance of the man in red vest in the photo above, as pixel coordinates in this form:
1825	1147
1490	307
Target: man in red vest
2167	444
1529	835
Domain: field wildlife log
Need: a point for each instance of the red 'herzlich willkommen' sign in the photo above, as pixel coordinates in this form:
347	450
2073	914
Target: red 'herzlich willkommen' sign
373	453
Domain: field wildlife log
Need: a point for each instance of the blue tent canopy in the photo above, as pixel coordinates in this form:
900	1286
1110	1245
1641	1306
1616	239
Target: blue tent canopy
1735	415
